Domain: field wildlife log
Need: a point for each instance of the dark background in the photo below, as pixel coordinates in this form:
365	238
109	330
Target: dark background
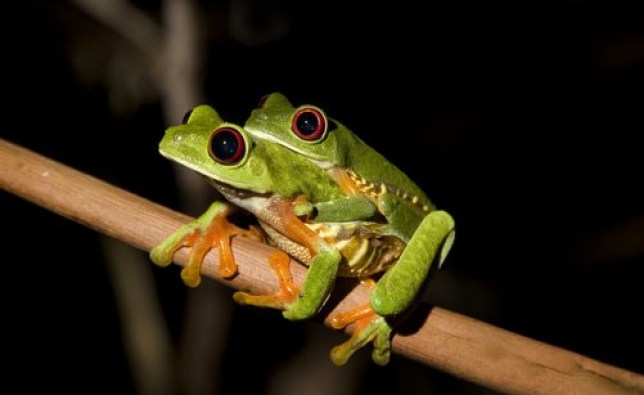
524	122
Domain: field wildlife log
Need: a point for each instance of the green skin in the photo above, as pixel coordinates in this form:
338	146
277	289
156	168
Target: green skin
273	166
426	233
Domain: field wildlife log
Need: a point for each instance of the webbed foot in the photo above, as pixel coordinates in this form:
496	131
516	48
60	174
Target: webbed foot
369	327
211	229
287	292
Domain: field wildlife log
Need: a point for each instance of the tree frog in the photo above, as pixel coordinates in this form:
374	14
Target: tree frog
327	216
366	178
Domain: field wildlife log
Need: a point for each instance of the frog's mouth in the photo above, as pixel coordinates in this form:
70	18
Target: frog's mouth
230	191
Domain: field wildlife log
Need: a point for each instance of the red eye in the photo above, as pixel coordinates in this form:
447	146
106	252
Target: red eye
227	146
309	124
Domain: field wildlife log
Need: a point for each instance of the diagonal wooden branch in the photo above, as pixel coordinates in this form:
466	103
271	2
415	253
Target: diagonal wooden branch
462	346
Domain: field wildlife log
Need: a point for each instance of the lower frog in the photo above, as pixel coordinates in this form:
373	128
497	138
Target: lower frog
306	212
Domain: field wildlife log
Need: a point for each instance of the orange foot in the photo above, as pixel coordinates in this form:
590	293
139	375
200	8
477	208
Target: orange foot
369	326
287	292
211	229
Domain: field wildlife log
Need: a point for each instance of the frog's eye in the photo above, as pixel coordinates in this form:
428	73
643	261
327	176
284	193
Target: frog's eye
309	124
227	145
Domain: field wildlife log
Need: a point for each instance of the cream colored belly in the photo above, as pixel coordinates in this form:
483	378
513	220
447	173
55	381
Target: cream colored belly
365	250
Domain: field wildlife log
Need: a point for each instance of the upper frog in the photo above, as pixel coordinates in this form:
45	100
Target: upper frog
366	176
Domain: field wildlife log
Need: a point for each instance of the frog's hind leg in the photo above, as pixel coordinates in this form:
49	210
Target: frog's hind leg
398	287
287	292
396	290
369	327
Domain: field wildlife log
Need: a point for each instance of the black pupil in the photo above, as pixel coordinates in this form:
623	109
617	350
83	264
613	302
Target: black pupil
224	145
307	123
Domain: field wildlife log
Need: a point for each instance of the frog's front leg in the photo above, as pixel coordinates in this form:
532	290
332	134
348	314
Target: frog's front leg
211	229
320	275
350	208
396	290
